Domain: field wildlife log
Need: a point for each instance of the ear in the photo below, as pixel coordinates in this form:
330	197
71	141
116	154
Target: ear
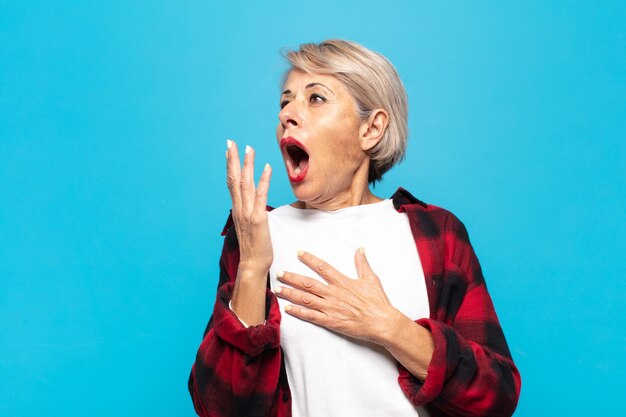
373	129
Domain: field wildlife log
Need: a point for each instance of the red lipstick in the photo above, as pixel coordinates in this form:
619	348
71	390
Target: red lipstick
296	158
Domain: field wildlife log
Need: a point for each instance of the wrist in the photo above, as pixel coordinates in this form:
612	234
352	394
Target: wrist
250	283
392	328
252	271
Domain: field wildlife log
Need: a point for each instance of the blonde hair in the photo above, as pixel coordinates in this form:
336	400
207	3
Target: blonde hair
373	83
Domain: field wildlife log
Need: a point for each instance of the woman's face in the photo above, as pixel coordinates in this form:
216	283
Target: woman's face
318	134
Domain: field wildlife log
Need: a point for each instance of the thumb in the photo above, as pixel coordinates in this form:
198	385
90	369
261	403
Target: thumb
363	268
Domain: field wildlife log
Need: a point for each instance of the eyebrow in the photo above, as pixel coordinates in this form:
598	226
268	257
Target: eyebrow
310	85
320	84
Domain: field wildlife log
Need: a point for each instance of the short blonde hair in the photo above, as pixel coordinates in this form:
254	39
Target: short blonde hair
373	83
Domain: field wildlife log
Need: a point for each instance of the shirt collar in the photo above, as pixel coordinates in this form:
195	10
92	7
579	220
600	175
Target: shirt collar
402	198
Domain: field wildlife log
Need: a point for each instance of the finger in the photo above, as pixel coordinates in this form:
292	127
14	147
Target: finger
363	268
233	173
303	313
260	196
323	269
247	180
301	298
304	283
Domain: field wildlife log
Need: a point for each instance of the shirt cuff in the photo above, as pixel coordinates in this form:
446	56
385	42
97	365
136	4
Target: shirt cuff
251	340
423	392
246	325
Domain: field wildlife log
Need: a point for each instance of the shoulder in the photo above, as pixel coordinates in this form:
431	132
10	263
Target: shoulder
432	221
444	240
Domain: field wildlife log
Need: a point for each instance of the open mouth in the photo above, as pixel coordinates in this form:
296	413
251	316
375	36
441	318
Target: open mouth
296	158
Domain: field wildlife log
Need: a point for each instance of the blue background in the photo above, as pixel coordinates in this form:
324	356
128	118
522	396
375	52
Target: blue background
113	120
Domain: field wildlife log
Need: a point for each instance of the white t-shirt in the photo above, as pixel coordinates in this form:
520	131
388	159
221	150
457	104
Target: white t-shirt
330	374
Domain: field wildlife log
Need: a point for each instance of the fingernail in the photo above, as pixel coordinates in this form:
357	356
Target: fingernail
280	274
248	149
300	253
229	143
278	290
287	307
362	250
267	167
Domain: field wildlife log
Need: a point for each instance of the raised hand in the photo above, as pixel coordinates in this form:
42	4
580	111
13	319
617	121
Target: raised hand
250	219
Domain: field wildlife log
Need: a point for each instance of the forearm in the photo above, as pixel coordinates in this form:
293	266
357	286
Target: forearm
464	377
471	371
249	216
237	365
224	377
411	344
248	301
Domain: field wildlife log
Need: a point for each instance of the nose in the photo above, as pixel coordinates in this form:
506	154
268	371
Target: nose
289	116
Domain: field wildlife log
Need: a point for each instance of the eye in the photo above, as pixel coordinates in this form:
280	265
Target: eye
283	103
316	99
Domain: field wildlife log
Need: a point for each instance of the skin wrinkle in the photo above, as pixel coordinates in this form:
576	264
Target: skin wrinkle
335	179
338	141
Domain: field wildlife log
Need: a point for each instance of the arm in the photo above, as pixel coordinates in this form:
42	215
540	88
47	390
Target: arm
471	372
467	376
237	369
457	361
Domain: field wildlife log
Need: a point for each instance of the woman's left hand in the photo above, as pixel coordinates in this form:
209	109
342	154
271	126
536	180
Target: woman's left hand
357	308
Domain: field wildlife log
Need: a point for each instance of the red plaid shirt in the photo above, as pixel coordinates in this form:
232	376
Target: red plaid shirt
240	371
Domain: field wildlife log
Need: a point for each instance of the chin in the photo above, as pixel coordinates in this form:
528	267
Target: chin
305	192
301	191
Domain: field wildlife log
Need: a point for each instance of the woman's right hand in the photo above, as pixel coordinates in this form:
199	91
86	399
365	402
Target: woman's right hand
255	245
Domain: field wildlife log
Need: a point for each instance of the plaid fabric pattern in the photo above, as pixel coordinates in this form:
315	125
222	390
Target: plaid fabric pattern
240	371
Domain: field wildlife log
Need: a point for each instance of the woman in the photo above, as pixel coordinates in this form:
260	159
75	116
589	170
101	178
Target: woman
325	307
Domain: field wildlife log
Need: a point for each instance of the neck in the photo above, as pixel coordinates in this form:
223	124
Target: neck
356	192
